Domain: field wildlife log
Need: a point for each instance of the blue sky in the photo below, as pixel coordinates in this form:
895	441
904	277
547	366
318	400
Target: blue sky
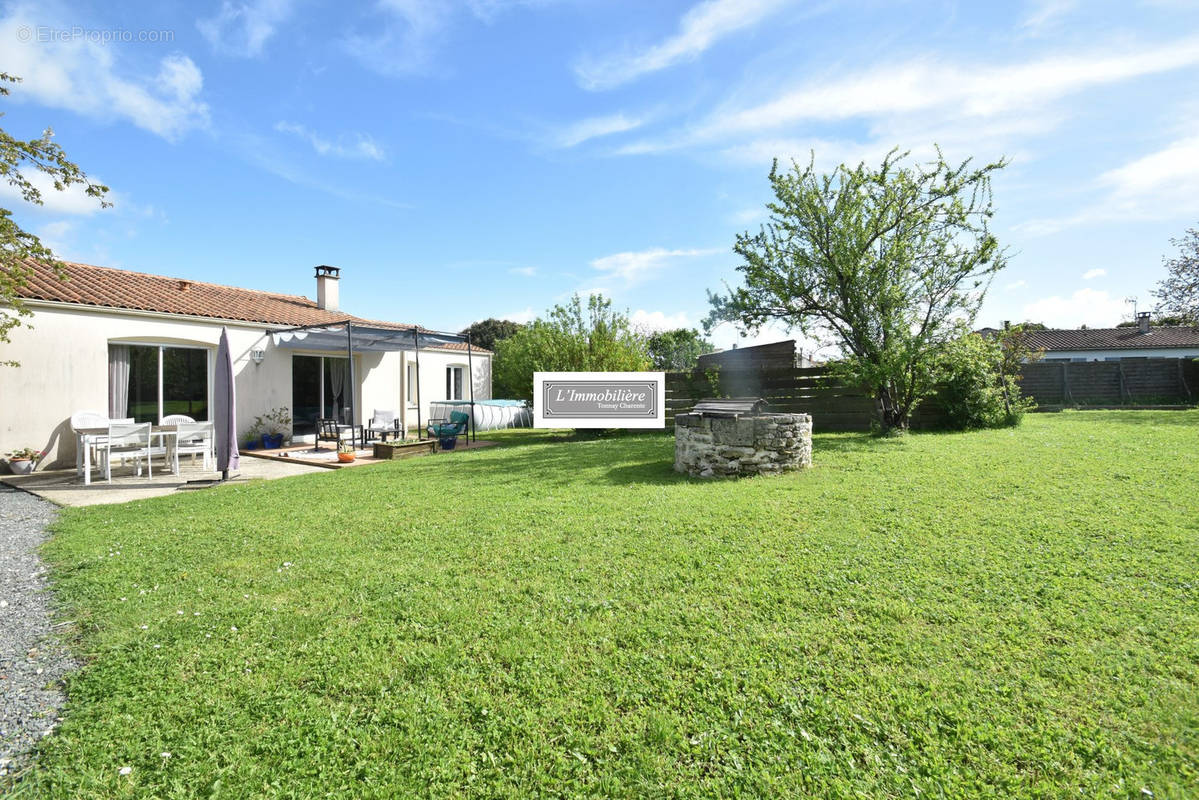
461	160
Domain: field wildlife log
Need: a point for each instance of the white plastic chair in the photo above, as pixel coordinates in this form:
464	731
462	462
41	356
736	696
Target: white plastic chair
194	438
127	440
175	419
384	422
81	421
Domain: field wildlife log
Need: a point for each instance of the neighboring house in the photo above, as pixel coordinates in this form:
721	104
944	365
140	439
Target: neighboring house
135	345
1109	344
781	355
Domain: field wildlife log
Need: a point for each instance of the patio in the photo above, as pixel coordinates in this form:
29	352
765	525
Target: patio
63	486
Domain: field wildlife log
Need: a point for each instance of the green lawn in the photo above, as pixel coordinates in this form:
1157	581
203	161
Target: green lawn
999	614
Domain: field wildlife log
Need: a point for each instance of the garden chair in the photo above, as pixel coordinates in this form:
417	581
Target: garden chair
126	440
175	419
383	423
330	430
457	425
194	438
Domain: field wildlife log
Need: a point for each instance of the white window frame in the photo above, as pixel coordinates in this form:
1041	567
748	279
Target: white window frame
449	381
410	378
176	346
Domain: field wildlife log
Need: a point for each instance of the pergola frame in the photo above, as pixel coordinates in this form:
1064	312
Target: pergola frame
388	340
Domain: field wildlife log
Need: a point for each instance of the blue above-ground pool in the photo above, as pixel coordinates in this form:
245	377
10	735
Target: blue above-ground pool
489	415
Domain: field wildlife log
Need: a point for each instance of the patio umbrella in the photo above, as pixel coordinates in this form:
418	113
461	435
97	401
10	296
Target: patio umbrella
224	409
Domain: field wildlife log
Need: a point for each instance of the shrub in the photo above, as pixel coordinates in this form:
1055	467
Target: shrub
979	388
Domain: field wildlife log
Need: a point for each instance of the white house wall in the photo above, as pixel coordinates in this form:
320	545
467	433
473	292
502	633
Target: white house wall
433	364
1103	355
64	369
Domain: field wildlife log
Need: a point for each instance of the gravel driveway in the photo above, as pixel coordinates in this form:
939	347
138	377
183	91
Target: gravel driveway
31	663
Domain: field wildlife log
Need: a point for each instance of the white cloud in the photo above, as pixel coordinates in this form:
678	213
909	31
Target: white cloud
357	145
1014	285
527	272
1093	273
1160	185
403	36
969	89
243	28
56	236
635	267
659	320
594	127
1092	307
524	316
1044	14
699	29
90	78
72	200
968	108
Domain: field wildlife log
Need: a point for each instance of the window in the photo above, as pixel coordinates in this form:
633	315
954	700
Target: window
149	382
453	383
412	384
320	388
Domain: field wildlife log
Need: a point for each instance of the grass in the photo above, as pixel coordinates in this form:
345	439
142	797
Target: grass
999	614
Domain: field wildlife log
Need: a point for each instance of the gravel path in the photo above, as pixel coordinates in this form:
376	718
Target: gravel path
31	663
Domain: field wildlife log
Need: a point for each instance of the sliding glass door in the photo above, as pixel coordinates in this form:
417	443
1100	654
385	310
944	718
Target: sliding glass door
320	388
149	382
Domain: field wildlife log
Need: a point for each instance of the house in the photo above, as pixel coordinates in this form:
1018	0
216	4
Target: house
777	355
1112	344
135	345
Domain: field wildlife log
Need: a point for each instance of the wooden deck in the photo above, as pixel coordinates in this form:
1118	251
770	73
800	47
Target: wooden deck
327	459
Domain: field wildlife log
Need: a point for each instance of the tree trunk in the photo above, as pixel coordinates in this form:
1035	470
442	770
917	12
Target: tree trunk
893	418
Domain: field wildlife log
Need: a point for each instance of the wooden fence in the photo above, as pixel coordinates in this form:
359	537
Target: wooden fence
1122	382
835	406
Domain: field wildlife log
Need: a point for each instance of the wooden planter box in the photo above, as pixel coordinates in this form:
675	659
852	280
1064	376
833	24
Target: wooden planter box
394	450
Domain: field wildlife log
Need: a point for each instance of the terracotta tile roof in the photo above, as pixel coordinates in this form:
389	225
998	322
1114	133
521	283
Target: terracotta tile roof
1114	338
90	285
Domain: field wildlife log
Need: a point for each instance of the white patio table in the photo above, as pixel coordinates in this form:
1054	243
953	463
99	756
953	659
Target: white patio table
87	437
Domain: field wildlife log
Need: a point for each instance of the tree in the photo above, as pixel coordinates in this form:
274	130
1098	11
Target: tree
678	349
1156	323
1178	294
892	263
486	333
19	248
571	339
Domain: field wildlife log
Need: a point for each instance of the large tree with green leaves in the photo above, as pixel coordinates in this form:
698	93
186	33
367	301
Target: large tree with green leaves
677	349
485	333
18	160
573	337
1178	294
890	262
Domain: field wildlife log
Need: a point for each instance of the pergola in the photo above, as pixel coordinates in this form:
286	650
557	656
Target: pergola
356	337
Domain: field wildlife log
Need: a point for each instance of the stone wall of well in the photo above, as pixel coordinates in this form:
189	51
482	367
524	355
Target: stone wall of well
716	446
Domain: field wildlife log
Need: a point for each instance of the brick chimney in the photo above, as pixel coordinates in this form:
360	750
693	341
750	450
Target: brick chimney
1143	321
326	287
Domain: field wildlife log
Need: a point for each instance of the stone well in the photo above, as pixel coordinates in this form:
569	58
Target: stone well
763	444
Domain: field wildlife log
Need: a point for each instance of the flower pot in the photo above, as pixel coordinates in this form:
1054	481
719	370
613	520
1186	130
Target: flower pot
20	466
272	441
251	444
345	458
449	442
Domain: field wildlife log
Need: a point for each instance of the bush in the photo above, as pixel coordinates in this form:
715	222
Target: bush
572	339
979	387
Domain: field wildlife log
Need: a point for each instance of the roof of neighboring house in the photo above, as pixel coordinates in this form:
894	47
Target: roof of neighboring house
1114	338
106	287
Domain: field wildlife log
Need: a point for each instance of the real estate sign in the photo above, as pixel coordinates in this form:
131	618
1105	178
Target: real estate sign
599	400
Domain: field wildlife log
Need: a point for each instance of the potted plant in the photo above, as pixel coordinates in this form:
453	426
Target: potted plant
272	426
345	452
254	435
22	461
